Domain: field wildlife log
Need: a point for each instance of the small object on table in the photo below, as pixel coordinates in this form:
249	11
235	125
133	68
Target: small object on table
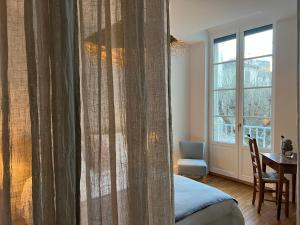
294	156
286	147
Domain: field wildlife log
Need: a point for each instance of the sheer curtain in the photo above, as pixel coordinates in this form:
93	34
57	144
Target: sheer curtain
85	124
298	85
125	175
39	102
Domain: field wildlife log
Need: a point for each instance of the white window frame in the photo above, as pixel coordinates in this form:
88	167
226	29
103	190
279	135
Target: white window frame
212	89
239	30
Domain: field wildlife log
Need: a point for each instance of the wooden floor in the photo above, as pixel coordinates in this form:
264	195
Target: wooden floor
243	194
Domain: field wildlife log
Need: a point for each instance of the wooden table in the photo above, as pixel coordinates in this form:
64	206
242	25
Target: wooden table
282	165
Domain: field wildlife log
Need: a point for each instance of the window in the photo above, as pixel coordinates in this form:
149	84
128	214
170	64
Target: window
245	97
257	85
224	89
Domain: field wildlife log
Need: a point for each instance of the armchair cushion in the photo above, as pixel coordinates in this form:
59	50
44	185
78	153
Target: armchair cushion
192	167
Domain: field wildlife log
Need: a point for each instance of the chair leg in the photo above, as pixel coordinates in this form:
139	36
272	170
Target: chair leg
287	198
254	192
260	200
263	193
276	196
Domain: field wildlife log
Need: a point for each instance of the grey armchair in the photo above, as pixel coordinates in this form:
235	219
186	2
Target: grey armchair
192	161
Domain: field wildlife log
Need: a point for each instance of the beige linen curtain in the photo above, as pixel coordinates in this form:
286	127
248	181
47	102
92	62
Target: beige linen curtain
39	112
85	124
298	107
125	176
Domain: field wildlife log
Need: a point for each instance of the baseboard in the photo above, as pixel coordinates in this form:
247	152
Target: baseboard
231	178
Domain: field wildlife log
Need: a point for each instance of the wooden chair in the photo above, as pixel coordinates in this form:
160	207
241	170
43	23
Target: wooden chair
261	178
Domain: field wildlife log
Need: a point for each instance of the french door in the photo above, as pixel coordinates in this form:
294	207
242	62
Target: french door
241	96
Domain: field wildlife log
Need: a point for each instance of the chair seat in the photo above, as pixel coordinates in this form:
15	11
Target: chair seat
192	167
270	177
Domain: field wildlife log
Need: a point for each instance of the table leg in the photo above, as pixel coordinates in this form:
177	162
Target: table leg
264	165
287	199
264	169
280	184
294	188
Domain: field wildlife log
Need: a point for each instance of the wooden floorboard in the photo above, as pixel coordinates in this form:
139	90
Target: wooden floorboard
243	194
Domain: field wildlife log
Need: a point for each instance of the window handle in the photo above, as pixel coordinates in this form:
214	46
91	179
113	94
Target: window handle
239	126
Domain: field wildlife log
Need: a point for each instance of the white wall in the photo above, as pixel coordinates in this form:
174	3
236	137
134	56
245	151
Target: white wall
188	90
198	104
285	107
199	92
285	88
189	17
180	73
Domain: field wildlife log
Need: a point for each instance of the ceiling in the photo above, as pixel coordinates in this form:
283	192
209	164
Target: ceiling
188	17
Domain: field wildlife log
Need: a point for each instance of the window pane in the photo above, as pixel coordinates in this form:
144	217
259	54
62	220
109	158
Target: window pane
258	102
224	129
259	44
224	103
260	128
225	75
258	72
225	51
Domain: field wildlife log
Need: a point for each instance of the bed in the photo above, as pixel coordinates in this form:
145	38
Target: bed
199	204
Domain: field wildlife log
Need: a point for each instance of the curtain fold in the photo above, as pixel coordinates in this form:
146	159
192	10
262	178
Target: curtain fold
298	109
15	150
126	167
5	117
126	164
39	115
85	113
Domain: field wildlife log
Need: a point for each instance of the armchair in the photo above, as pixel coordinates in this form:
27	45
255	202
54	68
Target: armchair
192	161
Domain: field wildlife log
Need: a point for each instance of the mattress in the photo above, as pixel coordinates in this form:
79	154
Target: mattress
199	204
224	213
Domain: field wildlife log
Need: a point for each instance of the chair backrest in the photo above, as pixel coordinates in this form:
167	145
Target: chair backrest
191	149
255	157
